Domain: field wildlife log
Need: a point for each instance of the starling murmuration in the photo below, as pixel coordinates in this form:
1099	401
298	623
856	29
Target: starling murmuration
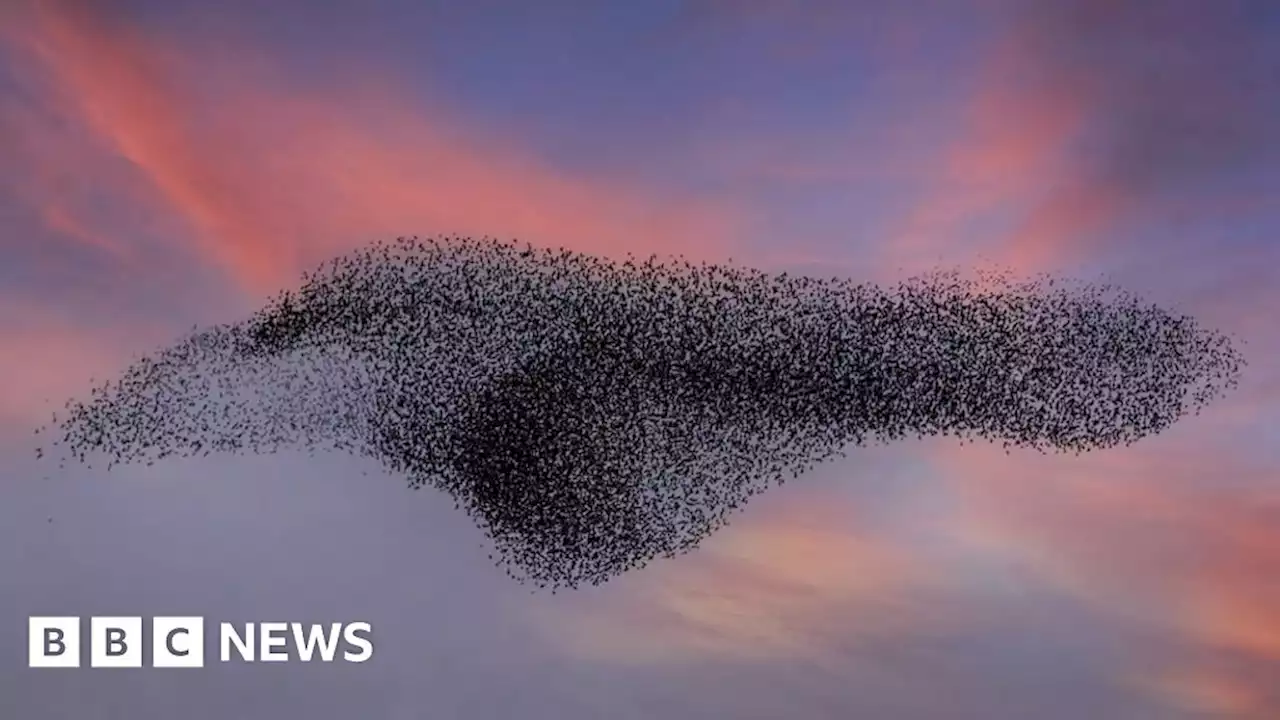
592	415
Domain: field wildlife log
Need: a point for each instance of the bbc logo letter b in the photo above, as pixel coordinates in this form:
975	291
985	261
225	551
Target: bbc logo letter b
115	642
53	642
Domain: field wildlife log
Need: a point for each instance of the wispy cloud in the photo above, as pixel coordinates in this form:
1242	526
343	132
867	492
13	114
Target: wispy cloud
800	582
269	178
1091	116
1184	544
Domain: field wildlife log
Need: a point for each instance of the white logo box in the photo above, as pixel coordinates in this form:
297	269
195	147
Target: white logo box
115	642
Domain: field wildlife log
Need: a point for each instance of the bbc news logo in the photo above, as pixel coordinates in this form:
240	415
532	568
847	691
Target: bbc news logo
178	642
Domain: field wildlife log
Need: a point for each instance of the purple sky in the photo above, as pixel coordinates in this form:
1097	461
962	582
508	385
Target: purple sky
170	163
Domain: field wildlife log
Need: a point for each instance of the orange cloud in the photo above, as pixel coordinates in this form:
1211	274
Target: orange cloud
39	159
1182	542
270	179
46	358
1209	691
1178	536
1008	151
787	585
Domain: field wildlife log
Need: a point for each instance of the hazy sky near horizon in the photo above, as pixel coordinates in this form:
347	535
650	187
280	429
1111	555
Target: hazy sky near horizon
165	164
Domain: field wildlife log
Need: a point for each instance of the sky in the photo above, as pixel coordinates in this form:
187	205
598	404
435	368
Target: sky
171	163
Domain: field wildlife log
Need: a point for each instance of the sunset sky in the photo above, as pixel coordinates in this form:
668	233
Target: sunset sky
167	163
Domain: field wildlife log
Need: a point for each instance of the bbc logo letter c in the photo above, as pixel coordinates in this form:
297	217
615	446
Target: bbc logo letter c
177	642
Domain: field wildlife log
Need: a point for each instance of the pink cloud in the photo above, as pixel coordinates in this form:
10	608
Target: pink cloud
790	584
1183	543
269	179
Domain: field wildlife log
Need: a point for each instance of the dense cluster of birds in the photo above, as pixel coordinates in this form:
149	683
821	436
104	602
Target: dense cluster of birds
592	415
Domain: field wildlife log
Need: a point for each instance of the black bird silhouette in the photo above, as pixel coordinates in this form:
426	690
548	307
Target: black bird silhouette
594	415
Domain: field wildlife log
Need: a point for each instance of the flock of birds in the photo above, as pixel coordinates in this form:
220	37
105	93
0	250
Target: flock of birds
592	415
